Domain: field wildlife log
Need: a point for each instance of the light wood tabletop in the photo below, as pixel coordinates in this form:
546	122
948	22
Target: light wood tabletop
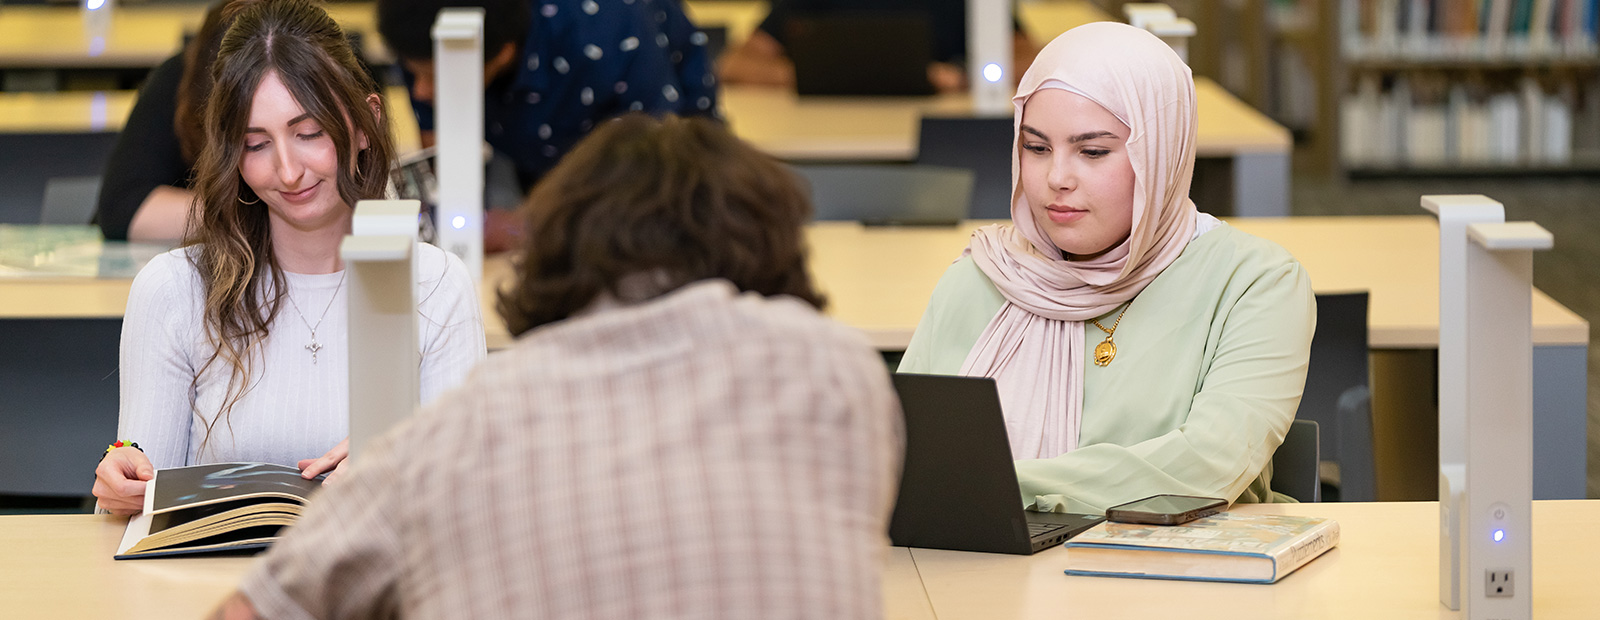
58	37
879	279
775	120
60	566
96	111
788	126
1386	566
143	36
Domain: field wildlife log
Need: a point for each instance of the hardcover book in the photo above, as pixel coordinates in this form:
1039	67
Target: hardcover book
222	507
1223	547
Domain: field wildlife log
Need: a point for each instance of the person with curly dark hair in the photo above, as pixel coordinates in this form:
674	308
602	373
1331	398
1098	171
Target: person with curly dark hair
676	417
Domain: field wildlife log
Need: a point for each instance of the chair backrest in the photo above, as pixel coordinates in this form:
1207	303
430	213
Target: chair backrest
69	200
27	160
58	378
716	40
1337	393
982	145
1296	464
889	194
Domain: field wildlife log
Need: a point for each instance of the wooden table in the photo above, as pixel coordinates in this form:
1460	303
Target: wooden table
790	127
107	111
60	566
777	121
1386	566
142	36
137	37
879	280
797	128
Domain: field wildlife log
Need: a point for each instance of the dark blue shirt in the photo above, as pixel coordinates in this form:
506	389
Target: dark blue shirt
585	61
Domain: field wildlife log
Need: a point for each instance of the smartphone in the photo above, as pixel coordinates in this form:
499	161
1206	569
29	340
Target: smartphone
1166	509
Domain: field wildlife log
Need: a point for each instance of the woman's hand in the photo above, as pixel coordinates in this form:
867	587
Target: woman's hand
120	479
333	462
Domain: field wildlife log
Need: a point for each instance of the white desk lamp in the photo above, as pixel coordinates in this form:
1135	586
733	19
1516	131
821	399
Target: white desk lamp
385	361
989	35
458	133
1486	407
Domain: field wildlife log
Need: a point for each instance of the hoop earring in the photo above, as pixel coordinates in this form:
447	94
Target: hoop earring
255	202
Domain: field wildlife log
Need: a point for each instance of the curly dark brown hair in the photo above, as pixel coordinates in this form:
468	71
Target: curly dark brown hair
665	200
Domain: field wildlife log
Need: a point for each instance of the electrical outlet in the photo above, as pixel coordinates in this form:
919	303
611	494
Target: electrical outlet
1497	583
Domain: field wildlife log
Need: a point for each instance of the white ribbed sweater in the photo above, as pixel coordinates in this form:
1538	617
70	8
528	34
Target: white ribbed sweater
294	409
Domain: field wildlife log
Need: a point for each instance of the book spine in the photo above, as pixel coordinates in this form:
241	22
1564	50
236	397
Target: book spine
1315	543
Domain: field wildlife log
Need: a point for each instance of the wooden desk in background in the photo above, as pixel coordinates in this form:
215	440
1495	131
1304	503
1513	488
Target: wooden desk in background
56	37
879	281
777	121
790	127
795	128
1386	566
139	37
97	111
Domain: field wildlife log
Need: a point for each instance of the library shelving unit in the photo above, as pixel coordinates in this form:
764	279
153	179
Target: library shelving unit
1466	87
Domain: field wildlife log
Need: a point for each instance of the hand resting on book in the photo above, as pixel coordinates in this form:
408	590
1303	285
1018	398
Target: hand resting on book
333	463
119	480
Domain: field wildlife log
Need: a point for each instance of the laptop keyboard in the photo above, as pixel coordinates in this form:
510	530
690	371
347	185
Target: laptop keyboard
1036	530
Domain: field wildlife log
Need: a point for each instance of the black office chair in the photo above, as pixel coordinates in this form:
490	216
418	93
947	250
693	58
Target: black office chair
29	160
889	194
59	409
1338	397
1297	463
69	200
982	145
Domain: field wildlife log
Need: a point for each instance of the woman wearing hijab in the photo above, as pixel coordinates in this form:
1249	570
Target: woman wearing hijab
1140	346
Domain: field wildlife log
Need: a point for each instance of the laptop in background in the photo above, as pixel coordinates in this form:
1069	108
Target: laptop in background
861	53
959	490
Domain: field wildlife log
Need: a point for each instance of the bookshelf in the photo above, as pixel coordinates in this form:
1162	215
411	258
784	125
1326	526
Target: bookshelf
1467	87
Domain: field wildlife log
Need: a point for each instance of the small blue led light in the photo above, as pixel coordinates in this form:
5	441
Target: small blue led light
991	72
1499	535
94	4
458	222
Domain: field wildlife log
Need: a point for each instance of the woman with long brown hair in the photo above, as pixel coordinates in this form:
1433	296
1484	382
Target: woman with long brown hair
233	345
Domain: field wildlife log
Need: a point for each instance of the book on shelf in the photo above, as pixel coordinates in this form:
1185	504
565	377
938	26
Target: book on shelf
1432	121
1227	546
1470	30
217	508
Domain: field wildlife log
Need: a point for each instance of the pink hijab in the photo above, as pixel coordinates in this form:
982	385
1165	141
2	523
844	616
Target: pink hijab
1034	347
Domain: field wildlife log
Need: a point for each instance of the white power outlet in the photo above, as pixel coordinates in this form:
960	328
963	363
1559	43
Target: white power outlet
1498	583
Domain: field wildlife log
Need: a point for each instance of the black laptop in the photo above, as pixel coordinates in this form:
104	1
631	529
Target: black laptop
959	488
861	53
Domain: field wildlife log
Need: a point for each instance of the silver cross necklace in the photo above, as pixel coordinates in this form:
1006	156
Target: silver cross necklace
315	346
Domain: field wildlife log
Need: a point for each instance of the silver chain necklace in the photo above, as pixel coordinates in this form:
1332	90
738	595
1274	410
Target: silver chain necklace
314	346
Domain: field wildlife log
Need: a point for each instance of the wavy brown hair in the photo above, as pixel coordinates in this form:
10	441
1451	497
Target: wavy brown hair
673	199
232	239
194	87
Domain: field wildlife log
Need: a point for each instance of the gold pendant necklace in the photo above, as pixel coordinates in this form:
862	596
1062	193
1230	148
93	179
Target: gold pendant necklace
1107	350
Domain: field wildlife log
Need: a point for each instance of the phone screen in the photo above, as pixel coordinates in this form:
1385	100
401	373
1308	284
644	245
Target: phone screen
1168	504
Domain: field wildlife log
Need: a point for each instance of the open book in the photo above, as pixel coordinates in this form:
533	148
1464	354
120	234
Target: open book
215	508
1222	547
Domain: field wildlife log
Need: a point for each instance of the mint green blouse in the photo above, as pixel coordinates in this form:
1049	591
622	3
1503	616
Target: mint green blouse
1211	360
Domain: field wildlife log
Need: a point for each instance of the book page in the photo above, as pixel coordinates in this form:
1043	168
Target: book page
184	487
1220	533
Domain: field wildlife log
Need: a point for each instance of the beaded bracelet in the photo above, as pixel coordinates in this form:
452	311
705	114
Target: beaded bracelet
120	443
